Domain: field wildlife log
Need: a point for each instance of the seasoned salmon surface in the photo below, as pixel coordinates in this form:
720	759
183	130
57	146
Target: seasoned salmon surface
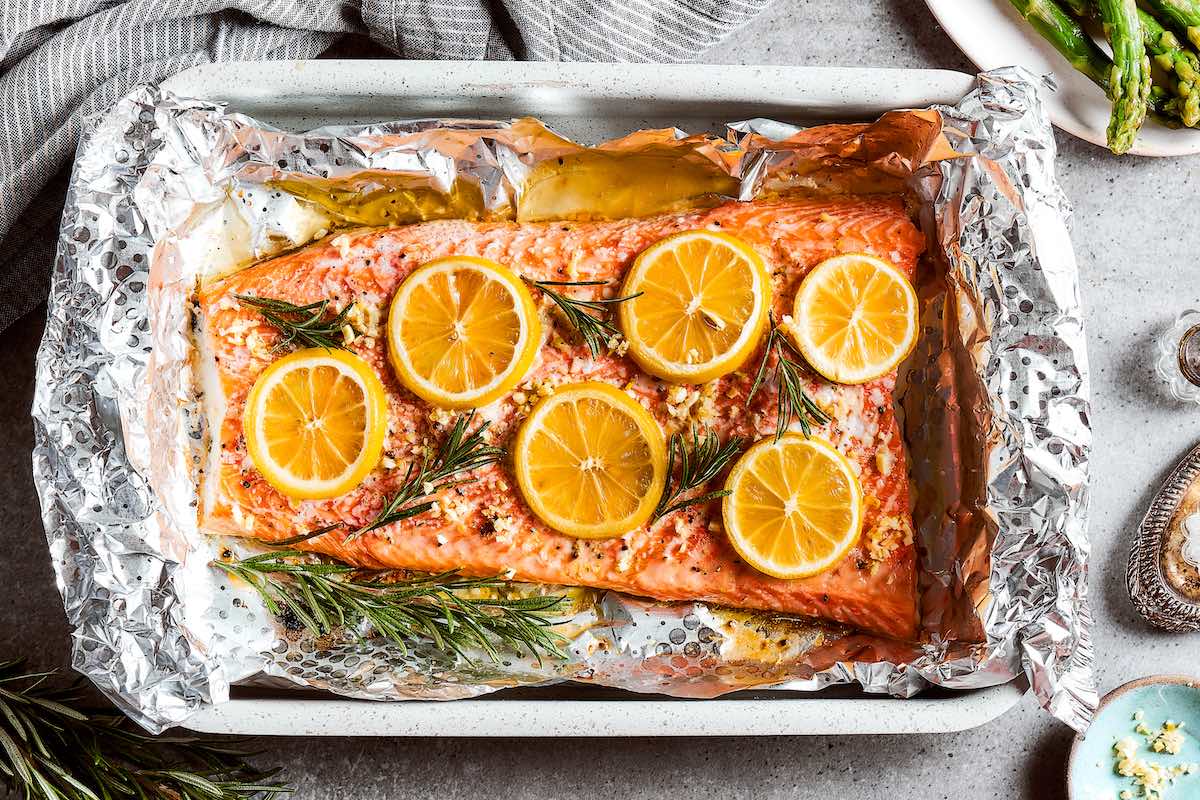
484	528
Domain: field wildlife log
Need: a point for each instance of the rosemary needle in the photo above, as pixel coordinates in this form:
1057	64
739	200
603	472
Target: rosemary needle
793	401
588	317
302	326
51	749
463	450
699	461
444	608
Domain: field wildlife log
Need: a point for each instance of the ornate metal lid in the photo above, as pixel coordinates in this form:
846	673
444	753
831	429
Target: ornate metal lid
1164	564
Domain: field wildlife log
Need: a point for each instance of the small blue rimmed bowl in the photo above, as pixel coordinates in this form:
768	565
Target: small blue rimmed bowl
1090	772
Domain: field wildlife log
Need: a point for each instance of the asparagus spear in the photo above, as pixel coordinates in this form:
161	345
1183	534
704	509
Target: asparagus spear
1068	38
1178	59
1059	29
1183	15
1170	54
1129	86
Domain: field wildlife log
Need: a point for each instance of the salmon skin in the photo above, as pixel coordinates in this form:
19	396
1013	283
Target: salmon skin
484	528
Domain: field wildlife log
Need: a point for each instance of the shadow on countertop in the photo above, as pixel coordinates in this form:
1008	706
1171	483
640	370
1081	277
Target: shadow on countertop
32	622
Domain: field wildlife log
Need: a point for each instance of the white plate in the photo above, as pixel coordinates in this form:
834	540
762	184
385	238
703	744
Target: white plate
589	102
992	34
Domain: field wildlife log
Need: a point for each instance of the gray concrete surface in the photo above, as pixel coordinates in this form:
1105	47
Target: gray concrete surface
1137	254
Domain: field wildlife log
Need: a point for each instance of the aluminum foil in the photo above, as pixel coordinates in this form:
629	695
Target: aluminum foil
995	400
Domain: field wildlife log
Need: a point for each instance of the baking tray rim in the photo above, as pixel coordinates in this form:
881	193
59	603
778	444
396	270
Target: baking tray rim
311	91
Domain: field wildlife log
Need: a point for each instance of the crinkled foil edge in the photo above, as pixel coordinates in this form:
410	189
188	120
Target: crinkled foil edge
158	635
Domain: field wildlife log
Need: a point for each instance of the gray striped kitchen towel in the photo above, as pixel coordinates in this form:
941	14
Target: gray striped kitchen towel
61	60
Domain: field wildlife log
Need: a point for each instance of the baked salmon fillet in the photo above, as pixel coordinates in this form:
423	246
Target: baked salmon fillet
484	528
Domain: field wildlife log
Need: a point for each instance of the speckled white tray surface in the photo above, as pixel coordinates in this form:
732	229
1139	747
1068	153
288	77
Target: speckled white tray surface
590	103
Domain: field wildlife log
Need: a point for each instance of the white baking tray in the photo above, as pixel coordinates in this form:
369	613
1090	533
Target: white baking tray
590	103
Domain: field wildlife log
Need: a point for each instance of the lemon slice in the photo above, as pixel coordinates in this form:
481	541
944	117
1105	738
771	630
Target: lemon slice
855	318
462	331
315	422
703	306
590	461
794	507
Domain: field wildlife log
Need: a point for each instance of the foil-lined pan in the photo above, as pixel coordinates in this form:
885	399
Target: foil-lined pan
167	190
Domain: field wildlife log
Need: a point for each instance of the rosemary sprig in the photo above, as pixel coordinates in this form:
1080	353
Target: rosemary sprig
440	608
461	451
303	537
788	377
302	326
700	461
50	749
589	317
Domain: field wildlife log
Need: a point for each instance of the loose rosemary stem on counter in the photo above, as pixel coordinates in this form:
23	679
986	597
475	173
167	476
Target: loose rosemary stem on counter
793	401
444	609
699	460
301	326
52	749
589	317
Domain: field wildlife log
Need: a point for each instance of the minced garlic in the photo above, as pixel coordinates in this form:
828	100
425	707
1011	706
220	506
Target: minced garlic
705	411
257	344
235	331
442	417
884	460
1169	739
364	316
530	393
1151	779
342	243
503	523
455	509
889	533
618	344
680	400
